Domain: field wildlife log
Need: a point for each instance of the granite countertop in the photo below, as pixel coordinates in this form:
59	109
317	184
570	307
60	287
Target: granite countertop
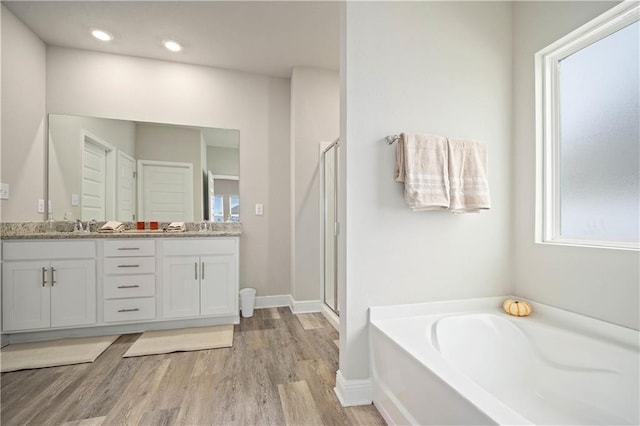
64	230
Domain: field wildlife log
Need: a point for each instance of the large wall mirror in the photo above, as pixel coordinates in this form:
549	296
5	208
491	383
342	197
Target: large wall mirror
106	169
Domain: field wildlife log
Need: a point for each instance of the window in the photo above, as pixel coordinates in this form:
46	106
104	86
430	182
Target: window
234	208
217	203
588	134
220	214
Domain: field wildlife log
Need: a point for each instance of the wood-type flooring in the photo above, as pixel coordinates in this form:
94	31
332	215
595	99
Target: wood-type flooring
280	371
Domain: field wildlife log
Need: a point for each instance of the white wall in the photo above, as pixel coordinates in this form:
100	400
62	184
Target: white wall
65	155
592	281
315	118
114	86
223	161
432	67
23	143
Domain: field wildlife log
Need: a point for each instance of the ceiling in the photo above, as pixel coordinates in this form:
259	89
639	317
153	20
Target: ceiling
265	37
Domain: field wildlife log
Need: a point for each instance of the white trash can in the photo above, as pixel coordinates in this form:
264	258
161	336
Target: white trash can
247	301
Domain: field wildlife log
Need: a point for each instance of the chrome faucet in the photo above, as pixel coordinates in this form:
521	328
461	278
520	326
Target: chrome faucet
78	226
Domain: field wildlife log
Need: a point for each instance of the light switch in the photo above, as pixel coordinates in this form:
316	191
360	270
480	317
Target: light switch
259	209
75	200
40	206
4	191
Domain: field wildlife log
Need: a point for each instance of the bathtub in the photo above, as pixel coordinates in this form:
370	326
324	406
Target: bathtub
467	362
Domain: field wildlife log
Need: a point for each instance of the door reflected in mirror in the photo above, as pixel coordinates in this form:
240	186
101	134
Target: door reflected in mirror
107	169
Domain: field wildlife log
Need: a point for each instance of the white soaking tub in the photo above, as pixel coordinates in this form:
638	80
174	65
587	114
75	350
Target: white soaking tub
468	362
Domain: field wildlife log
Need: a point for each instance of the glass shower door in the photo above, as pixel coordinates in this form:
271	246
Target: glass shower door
330	220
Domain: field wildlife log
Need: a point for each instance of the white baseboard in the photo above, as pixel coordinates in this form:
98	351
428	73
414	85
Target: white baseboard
272	301
331	316
303	306
353	392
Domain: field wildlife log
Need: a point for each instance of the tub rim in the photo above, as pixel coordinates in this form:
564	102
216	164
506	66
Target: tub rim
394	319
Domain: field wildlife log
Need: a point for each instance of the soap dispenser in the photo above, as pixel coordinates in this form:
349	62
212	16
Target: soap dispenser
50	223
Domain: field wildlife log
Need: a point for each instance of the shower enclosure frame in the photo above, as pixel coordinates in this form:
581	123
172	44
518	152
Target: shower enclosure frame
331	149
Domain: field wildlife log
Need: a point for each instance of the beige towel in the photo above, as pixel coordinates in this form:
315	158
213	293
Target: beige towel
421	163
468	176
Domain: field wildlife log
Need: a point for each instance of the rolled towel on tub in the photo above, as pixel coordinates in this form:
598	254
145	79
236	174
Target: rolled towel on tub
421	163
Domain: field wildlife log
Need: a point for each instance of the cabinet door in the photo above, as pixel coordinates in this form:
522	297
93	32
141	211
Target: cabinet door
180	287
25	295
218	289
73	292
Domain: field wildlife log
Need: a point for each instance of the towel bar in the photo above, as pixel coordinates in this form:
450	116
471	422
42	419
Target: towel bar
392	139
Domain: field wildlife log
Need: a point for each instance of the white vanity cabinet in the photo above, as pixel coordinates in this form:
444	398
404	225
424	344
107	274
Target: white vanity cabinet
129	285
200	277
48	284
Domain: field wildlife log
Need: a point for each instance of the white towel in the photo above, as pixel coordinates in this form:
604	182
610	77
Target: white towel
112	226
176	227
421	163
468	176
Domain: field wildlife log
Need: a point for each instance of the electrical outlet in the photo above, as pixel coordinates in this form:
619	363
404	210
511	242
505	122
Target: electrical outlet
40	206
4	191
259	209
75	200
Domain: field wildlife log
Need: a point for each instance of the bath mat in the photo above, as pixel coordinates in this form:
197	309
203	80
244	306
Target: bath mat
181	340
52	353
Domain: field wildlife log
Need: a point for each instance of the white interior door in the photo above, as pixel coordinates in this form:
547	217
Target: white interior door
126	188
165	191
94	181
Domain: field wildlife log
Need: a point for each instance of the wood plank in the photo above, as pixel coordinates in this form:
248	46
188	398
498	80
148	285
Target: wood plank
94	421
323	377
364	415
93	393
298	405
135	400
270	313
309	321
160	417
175	381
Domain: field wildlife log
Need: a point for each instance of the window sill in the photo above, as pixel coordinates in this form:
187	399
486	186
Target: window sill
609	245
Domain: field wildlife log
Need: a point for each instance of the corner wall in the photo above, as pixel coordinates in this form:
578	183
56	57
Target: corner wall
597	282
23	140
429	67
315	118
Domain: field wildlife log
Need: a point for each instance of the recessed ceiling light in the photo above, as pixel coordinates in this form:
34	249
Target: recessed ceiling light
172	46
101	35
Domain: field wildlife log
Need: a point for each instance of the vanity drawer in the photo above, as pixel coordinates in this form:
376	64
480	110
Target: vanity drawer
125	248
32	250
123	286
129	309
129	265
200	247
